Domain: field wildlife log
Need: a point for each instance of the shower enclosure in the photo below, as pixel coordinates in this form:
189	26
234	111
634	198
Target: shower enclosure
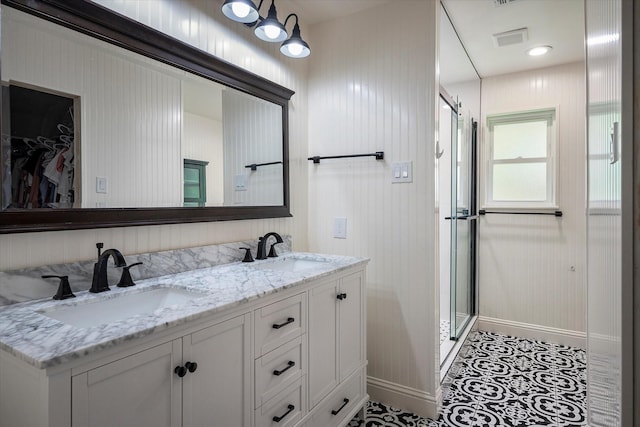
457	183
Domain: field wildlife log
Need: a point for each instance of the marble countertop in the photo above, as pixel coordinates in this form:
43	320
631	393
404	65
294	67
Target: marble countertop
44	342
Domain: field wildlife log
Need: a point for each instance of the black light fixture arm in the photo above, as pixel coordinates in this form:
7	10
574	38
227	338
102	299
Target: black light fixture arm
260	18
287	19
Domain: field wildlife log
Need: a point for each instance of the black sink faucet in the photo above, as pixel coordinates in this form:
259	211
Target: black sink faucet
262	244
99	282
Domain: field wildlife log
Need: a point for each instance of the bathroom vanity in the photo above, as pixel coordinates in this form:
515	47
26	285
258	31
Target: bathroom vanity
279	342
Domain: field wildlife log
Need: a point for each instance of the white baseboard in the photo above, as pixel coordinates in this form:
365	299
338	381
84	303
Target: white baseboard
531	331
406	398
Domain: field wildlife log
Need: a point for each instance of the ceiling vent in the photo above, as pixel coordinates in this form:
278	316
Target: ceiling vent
511	37
502	2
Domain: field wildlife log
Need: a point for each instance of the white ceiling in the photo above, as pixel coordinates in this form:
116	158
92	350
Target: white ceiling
559	23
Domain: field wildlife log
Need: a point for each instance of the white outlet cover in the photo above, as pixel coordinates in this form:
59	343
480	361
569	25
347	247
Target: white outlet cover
340	228
101	184
240	182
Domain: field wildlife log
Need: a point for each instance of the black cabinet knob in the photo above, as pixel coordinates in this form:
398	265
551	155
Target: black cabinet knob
342	296
191	366
181	371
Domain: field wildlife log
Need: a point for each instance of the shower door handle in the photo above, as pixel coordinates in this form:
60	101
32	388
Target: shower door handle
462	217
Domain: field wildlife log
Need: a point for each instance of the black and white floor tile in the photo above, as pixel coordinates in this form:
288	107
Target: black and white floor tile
497	380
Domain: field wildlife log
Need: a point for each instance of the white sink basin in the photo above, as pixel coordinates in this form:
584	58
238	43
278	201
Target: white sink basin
88	314
290	264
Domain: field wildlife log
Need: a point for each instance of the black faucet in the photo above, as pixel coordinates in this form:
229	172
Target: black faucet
99	282
262	244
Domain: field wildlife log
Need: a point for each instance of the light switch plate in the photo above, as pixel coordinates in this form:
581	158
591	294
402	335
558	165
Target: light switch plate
401	172
340	228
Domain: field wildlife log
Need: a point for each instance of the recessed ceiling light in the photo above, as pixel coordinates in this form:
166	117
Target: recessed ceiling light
539	50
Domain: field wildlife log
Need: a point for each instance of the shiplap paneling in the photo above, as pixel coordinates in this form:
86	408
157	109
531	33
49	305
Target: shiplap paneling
604	220
525	261
248	141
210	31
372	91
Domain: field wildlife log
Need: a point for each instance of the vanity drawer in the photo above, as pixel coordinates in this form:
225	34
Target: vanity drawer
275	370
340	403
287	408
278	323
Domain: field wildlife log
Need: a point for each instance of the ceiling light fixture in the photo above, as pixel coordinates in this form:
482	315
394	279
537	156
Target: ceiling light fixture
268	29
295	47
539	50
243	11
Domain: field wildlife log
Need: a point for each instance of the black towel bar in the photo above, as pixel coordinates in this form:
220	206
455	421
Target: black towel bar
255	166
379	155
484	212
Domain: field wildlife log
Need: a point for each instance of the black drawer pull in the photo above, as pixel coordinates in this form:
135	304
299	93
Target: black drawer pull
289	320
342	296
191	366
344	403
290	364
281	417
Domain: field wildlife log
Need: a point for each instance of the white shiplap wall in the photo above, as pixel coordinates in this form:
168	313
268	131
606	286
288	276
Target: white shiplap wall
252	134
201	23
373	87
605	218
526	282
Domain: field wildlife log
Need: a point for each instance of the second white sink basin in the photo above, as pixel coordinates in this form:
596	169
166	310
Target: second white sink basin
290	264
93	313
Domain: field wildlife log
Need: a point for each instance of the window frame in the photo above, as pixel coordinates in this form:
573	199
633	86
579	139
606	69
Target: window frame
549	115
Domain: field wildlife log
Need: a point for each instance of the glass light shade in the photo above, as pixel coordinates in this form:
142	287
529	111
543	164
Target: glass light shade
243	11
270	30
295	49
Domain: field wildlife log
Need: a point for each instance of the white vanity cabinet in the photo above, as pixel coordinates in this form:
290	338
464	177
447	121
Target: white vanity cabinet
156	388
292	358
337	362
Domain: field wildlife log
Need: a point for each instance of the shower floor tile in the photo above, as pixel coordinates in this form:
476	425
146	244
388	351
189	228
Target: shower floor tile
498	380
445	326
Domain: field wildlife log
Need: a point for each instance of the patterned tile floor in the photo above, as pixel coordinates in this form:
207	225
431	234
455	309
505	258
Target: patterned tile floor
497	380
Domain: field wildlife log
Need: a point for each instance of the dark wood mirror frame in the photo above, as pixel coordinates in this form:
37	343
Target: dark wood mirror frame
101	23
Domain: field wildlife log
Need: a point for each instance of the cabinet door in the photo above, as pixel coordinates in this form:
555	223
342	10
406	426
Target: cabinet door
351	324
138	390
323	345
218	392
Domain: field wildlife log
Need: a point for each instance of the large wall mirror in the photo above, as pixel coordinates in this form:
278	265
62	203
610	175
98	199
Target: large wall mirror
106	122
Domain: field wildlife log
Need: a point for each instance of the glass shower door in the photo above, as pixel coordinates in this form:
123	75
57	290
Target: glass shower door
463	222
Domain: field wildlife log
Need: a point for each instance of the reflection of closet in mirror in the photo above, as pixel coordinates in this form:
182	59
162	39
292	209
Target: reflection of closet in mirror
41	168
